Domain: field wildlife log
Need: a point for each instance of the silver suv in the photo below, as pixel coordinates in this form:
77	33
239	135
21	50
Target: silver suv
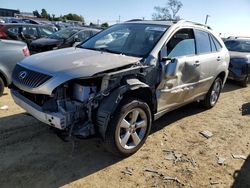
117	82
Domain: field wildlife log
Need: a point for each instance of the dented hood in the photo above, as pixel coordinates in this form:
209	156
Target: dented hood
76	62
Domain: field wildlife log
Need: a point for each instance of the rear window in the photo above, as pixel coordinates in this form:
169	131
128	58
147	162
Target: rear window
213	47
238	45
202	42
14	30
45	32
217	44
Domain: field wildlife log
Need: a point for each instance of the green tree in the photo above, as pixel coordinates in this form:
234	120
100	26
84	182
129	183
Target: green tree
169	11
74	17
44	14
36	13
105	25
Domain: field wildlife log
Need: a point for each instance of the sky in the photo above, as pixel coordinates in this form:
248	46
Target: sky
229	17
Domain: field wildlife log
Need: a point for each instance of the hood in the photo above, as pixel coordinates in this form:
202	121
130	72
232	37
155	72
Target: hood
76	62
240	54
45	42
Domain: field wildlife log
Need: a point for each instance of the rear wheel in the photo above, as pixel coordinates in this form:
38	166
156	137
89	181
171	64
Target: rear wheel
129	129
245	82
1	86
213	94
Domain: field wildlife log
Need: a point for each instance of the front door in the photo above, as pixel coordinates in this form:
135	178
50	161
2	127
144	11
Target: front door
176	91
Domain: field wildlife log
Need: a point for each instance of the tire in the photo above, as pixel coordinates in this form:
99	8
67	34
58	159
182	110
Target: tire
124	138
245	82
1	86
213	94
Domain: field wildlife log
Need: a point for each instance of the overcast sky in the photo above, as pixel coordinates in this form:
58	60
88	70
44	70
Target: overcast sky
230	17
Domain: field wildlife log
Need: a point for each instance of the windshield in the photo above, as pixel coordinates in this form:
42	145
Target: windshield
238	45
63	34
128	39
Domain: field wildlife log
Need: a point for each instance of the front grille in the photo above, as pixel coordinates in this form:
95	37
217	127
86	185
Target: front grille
29	78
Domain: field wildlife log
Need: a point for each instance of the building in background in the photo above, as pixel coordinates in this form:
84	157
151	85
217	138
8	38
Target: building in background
8	12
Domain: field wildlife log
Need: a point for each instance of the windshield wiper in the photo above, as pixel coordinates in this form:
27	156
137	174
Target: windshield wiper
103	50
107	50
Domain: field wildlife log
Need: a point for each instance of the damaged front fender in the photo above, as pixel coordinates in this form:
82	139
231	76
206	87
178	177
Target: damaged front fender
110	103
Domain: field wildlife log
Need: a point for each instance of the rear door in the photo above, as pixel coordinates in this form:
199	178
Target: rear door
207	58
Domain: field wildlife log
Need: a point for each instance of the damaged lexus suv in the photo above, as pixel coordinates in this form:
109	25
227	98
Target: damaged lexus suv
117	82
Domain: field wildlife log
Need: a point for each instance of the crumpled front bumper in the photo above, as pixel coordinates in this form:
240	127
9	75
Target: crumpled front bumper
54	119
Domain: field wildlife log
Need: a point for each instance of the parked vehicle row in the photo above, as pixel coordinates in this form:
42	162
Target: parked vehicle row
56	25
120	80
62	39
24	32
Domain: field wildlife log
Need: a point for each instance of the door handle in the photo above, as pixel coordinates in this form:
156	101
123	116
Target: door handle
219	58
197	63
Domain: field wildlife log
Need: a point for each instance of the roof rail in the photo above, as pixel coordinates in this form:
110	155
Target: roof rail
170	20
238	37
195	23
134	20
242	37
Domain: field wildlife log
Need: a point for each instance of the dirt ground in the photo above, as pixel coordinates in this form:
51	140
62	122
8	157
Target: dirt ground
32	156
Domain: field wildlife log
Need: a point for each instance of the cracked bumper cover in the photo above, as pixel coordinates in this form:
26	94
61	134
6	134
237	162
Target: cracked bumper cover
54	119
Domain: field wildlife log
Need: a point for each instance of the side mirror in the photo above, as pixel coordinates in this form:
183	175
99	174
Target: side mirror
170	69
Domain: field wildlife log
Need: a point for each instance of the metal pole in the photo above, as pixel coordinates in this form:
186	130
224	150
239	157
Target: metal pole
207	16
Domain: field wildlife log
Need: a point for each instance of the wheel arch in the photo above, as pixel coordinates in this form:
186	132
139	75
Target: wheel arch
4	78
222	75
135	89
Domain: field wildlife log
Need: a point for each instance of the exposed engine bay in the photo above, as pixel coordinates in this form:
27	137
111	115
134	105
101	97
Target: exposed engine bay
73	106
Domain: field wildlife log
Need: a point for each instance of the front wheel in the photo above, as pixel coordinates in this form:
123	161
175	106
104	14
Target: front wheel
1	86
213	94
129	129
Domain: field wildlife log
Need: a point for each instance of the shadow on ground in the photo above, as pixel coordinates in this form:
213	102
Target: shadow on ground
31	155
242	176
231	85
171	117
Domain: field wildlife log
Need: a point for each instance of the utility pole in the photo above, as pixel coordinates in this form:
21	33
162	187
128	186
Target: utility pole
119	19
207	16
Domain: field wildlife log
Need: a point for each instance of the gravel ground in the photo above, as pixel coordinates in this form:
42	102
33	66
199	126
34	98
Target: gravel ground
175	154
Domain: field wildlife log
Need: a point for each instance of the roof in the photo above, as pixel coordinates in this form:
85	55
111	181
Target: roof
166	22
152	22
23	24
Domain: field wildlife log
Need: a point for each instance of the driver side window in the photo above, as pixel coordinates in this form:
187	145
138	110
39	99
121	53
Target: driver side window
30	31
181	44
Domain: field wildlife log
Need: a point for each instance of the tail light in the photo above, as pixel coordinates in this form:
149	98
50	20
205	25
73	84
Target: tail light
3	35
26	51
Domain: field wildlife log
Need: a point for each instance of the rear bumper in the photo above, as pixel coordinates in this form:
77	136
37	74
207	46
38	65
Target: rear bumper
239	73
54	119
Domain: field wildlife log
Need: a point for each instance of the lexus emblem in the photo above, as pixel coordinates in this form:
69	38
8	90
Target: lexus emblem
22	75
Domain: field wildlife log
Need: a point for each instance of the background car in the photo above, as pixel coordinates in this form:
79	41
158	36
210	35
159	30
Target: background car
62	39
24	32
47	23
11	52
239	67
